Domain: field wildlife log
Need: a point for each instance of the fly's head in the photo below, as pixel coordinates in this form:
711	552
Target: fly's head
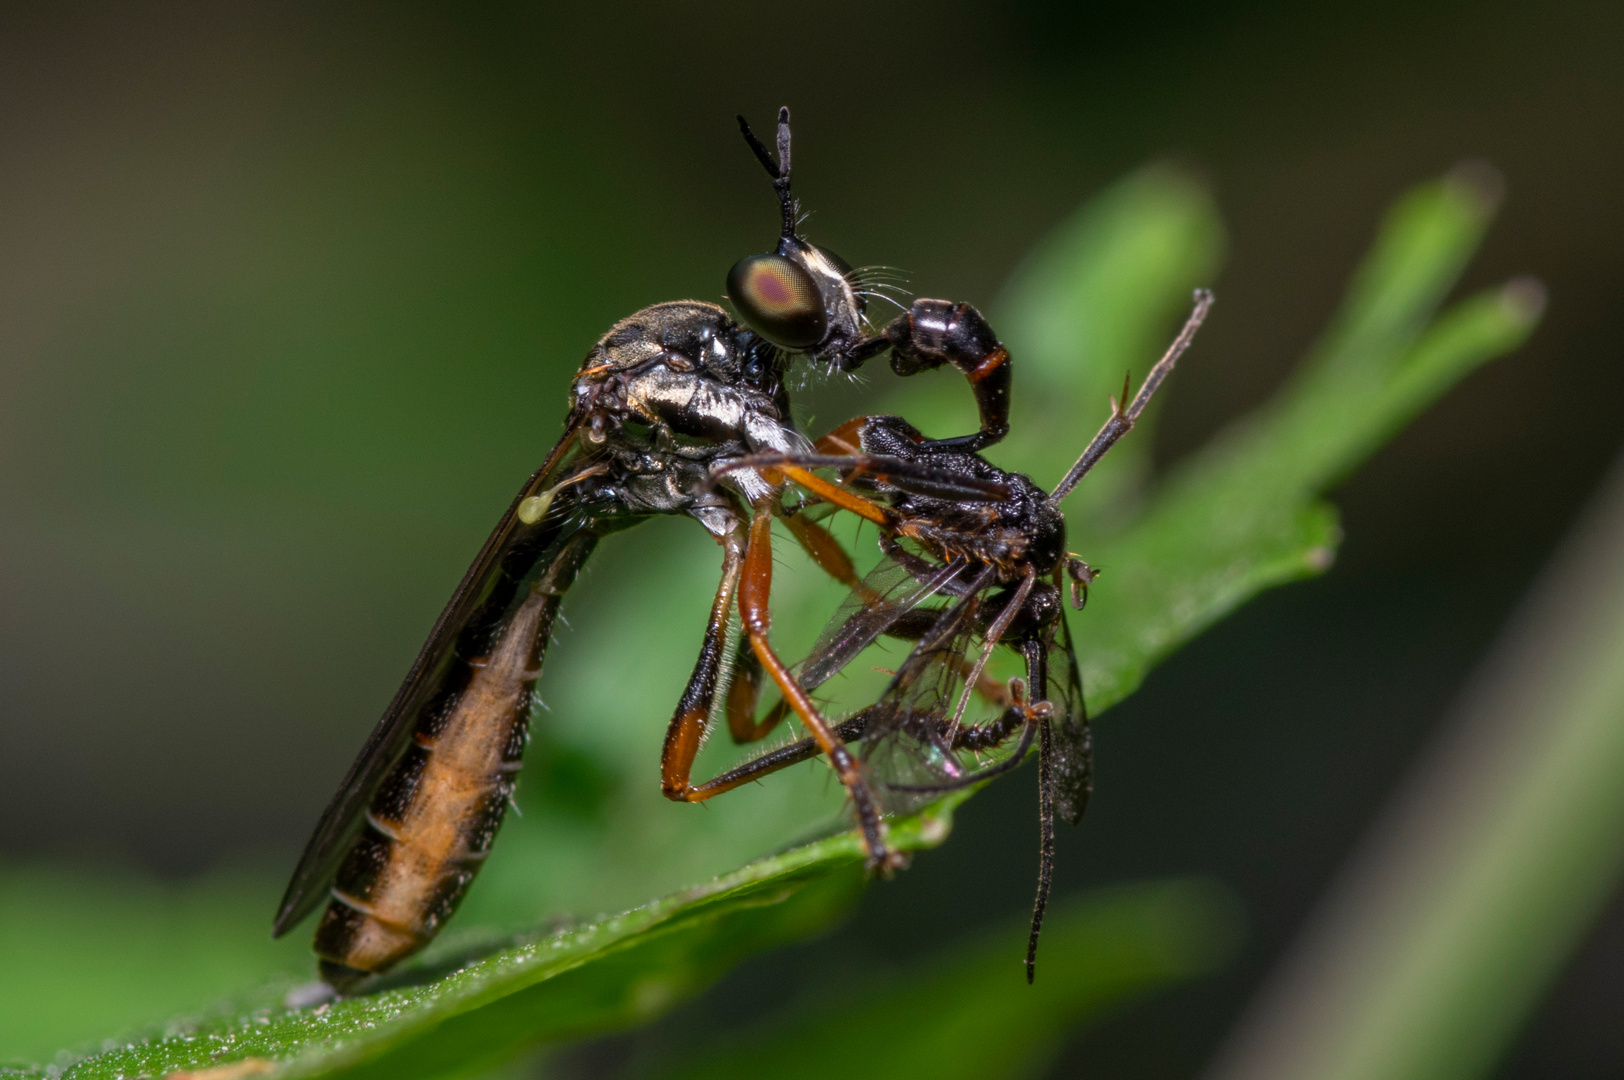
799	297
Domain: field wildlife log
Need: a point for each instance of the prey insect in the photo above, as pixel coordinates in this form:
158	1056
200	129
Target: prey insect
974	558
664	398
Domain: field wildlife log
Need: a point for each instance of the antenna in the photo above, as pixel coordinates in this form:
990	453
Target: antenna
1123	413
778	170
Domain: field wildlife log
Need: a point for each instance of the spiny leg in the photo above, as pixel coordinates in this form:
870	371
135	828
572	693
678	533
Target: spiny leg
687	727
824	550
743	697
972	737
836	495
755	588
995	633
849	730
1019	716
745	694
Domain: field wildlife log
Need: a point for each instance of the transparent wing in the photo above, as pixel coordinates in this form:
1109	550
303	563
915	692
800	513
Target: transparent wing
889	593
1072	761
904	745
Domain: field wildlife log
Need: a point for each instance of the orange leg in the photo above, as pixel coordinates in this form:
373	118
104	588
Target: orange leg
743	697
755	588
882	516
844	439
687	728
745	694
824	549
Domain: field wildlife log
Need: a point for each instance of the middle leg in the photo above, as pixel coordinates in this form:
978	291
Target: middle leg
755	589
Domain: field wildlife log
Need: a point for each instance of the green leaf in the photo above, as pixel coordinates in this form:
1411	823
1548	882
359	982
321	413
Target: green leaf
467	1005
968	1014
1241	516
1433	948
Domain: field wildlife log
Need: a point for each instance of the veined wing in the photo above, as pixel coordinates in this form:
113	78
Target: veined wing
904	743
1072	761
875	605
516	553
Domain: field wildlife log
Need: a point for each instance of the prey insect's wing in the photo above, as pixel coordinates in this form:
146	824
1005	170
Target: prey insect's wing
1072	760
875	605
515	553
905	741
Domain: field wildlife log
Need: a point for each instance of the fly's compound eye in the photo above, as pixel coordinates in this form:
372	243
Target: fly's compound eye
778	299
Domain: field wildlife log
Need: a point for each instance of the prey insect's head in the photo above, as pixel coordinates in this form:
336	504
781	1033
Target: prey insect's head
799	296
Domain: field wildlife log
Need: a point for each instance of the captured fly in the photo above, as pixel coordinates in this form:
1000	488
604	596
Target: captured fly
664	400
974	558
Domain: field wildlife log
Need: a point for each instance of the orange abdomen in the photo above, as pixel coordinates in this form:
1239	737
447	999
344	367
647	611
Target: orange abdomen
432	822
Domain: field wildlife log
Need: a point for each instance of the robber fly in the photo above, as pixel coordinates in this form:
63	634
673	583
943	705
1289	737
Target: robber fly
990	545
663	399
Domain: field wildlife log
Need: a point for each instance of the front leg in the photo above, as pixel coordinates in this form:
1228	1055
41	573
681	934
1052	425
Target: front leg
937	332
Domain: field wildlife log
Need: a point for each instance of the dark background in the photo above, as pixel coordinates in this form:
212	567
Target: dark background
281	287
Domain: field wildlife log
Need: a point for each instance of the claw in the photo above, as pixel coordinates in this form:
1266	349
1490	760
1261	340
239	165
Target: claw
885	863
1082	576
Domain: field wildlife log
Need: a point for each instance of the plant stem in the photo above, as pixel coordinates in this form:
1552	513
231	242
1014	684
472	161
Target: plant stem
1448	926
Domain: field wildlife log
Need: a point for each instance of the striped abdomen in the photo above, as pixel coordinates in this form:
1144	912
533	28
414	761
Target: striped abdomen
432	822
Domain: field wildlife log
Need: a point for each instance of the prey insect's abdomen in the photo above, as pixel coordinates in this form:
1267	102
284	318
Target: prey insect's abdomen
432	822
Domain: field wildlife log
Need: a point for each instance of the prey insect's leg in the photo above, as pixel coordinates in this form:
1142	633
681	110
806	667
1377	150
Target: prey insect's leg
994	633
755	588
687	728
1123	414
989	689
1020	716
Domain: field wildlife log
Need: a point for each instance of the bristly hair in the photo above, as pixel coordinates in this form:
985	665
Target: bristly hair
880	283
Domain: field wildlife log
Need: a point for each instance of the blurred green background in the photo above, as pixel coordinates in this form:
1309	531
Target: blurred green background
289	298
